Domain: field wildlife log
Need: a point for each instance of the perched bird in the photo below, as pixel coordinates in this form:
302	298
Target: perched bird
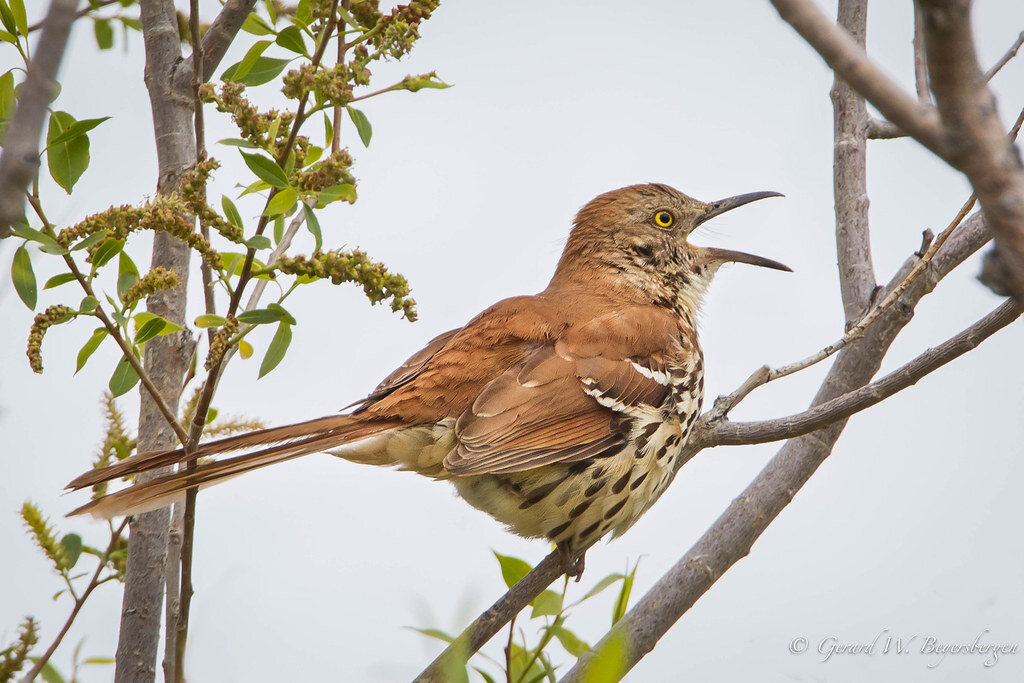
559	414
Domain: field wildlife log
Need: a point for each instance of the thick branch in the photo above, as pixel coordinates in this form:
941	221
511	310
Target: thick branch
20	160
977	145
848	60
849	177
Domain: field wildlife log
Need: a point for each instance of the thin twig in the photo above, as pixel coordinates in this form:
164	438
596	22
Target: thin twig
1005	59
79	602
920	67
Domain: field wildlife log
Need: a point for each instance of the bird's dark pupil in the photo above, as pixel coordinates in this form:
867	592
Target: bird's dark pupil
663	217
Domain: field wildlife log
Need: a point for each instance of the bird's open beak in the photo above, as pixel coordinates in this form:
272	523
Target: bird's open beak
728	204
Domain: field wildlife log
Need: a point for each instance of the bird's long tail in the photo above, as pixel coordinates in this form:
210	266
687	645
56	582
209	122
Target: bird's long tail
259	449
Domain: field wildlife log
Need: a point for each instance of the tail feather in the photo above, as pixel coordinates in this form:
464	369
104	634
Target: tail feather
280	444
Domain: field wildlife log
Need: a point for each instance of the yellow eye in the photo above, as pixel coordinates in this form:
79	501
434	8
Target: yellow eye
663	219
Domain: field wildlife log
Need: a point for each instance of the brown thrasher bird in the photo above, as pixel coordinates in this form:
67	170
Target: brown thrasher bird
558	414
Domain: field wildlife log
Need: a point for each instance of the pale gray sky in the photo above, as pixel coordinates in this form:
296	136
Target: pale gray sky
311	569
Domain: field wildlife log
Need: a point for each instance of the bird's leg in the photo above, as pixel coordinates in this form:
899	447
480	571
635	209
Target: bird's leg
572	562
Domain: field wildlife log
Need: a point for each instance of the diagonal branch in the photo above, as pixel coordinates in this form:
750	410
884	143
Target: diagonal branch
849	60
20	161
215	44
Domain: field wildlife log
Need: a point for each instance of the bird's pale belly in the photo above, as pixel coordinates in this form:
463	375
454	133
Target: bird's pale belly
578	503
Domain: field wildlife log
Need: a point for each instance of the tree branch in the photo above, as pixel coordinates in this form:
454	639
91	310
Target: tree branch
215	44
976	144
19	163
849	177
740	433
841	52
493	619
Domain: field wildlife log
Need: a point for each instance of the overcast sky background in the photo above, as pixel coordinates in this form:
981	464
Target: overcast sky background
313	568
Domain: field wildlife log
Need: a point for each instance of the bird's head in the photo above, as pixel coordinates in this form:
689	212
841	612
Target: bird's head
635	240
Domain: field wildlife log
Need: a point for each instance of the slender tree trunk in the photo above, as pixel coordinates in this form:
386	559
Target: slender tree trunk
167	357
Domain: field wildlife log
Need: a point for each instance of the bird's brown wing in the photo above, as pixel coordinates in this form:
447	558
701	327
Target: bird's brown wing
569	400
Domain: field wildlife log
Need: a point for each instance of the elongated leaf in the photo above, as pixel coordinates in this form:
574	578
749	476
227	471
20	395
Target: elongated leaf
290	38
362	123
258	242
334	193
601	585
313	225
278	347
263	71
91	240
127	274
66	160
434	633
7	100
93	343
46	243
256	26
512	568
104	33
152	328
209	321
105	252
622	602
271	314
7	18
77	129
20	18
124	378
265	169
570	641
282	202
249	60
58	280
237	142
231	211
23	277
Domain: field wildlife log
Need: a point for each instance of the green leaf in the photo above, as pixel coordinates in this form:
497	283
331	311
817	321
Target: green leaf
23	277
50	674
123	379
99	660
104	33
278	347
415	83
7	18
313	225
145	317
265	169
91	240
313	154
127	274
72	548
273	313
58	280
570	641
282	202
93	343
256	26
608	663
249	60
601	585
66	160
622	602
77	129
237	142
548	603
105	252
512	568
334	193
209	320
362	125
263	71
484	675
231	211
89	304
290	38
47	243
258	242
434	633
20	19
7	99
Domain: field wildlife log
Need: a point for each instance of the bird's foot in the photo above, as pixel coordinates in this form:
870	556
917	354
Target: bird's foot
572	562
